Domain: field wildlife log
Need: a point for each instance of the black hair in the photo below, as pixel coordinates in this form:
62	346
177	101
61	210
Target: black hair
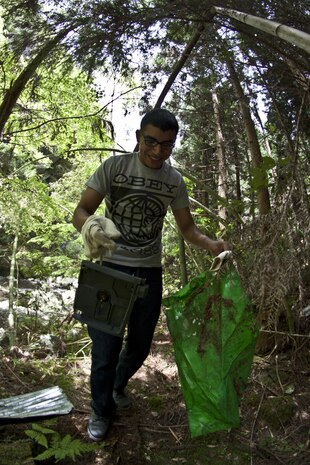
160	118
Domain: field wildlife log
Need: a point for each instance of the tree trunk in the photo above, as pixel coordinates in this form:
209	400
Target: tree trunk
266	141
236	157
12	94
182	257
220	152
179	65
11	317
253	144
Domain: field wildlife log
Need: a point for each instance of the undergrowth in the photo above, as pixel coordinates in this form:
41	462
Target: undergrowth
58	447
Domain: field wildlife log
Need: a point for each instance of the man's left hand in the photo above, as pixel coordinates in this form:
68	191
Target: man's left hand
216	247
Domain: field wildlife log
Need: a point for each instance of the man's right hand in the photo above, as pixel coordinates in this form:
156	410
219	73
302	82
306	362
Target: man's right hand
98	233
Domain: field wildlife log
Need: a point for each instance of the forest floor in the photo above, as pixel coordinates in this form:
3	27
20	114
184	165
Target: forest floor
275	412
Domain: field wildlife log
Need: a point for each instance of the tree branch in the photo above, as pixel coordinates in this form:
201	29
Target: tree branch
72	117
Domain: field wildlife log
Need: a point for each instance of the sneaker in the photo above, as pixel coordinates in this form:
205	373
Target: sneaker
122	401
98	426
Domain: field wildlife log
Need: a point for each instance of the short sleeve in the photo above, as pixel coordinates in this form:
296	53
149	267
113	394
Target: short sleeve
181	200
100	179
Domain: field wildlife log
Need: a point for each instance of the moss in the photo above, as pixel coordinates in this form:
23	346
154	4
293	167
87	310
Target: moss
205	450
155	403
278	411
17	452
251	399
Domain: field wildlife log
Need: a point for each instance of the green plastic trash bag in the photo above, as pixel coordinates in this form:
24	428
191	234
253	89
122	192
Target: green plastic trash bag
214	333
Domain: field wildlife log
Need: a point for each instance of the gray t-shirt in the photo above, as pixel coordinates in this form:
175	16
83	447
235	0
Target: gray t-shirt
137	199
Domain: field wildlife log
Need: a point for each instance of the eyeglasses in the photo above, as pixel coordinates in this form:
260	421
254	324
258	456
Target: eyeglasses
151	142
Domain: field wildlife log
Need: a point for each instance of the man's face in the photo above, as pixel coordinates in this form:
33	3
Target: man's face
155	145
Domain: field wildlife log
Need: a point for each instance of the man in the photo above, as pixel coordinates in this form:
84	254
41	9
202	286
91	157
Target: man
137	188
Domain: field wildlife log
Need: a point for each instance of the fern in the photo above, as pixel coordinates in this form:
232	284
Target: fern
57	446
38	434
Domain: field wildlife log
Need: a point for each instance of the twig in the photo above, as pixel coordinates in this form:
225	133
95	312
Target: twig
174	435
10	369
277	373
284	333
163	427
269	453
252	444
266	388
151	430
95	149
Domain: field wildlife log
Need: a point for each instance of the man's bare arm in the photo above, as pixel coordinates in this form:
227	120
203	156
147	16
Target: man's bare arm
87	206
192	234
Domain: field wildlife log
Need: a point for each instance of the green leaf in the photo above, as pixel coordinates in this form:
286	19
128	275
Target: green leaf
38	437
259	178
284	161
47	454
58	447
42	429
268	163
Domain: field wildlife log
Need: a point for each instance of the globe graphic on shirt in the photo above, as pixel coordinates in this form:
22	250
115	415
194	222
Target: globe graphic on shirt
139	218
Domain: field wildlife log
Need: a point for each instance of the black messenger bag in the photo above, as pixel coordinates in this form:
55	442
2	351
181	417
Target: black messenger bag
105	297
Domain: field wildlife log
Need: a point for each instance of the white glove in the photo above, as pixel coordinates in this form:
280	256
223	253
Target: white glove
220	259
98	233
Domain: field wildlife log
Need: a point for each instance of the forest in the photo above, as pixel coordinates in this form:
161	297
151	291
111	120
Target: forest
75	78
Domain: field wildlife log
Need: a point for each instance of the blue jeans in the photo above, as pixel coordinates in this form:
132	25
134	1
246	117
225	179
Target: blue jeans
112	364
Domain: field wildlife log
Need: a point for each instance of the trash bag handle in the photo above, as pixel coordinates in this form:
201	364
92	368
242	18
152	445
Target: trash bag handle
220	259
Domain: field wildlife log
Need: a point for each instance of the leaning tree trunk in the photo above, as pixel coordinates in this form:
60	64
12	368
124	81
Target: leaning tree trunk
12	95
178	66
289	34
11	317
253	143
